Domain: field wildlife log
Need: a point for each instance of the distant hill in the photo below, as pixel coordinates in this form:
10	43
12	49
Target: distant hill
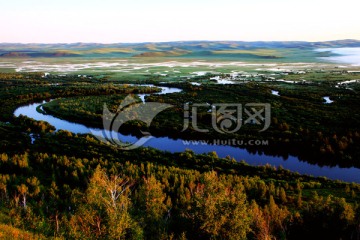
37	54
182	49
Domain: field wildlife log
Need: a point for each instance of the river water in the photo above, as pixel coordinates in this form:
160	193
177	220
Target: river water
167	144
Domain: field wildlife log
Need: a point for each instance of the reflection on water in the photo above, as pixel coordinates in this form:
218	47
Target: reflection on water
328	100
276	93
224	81
164	90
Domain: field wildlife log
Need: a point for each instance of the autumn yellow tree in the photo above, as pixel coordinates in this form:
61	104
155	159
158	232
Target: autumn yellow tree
105	210
221	210
154	205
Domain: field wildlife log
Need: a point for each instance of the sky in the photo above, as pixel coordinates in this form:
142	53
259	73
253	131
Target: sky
113	21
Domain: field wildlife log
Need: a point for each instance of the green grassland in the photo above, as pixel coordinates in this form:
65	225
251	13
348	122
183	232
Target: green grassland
172	61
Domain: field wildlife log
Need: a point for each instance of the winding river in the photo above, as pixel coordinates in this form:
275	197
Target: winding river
167	144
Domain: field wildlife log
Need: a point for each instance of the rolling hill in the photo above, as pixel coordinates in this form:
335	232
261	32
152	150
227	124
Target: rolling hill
189	49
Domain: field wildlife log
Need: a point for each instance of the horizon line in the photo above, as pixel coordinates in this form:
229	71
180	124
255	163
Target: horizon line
175	41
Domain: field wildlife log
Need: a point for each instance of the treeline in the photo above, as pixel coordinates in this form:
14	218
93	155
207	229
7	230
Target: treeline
29	125
29	76
13	95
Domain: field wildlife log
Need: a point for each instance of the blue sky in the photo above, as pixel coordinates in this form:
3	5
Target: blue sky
108	21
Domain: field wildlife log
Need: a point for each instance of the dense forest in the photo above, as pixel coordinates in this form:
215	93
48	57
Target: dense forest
316	132
59	185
